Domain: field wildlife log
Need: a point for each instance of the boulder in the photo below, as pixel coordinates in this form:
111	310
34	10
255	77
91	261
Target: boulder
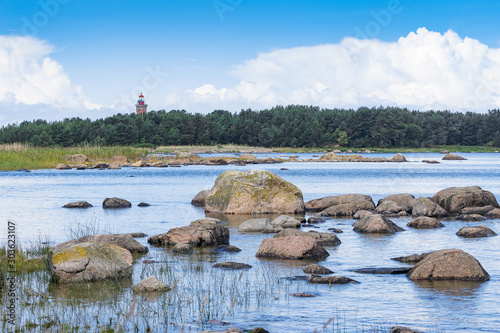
360	213
473	232
114	167
126	241
140	164
357	201
453	157
426	207
448	264
323	238
90	262
425	222
199	199
329	279
62	166
119	160
405	200
255	225
80	167
494	213
115	203
78	204
150	284
376	224
389	207
478	210
232	265
202	232
471	217
76	158
318	219
316	269
253	192
227	248
160	164
182	248
454	199
285	221
100	165
291	247
398	158
143	204
247	157
339	210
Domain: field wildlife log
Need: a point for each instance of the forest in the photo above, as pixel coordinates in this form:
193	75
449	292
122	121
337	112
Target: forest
280	126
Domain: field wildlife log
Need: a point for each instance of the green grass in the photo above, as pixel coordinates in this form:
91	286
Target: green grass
15	157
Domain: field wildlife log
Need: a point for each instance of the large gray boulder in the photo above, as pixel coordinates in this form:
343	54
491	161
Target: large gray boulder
453	157
199	199
253	192
90	262
202	232
323	238
454	199
115	203
389	207
376	224
285	221
255	225
291	247
425	222
405	200
357	201
476	231
426	207
448	264
126	241
494	213
478	210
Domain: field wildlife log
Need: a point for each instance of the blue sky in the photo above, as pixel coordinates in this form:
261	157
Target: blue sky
95	55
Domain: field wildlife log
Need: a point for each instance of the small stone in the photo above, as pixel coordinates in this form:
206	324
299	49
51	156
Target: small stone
330	279
478	231
150	284
182	248
232	265
78	204
317	269
303	295
143	204
227	248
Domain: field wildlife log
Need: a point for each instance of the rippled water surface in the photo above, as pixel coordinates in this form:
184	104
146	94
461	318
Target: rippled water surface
34	202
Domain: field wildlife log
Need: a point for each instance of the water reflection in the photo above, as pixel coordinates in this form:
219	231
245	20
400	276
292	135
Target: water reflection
88	291
454	289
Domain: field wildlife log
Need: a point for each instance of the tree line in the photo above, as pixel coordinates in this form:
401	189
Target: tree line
280	126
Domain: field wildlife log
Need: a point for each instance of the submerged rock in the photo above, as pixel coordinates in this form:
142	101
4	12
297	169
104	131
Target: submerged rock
78	204
202	232
112	203
376	224
411	259
319	219
150	284
454	199
253	192
143	204
477	231
227	248
291	247
448	264
330	279
384	270
232	265
303	295
316	269
402	329
90	262
182	248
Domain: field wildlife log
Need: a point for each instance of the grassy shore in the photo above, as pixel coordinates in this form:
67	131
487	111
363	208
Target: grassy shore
21	156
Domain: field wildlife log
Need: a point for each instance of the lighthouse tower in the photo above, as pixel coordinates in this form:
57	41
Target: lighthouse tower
141	107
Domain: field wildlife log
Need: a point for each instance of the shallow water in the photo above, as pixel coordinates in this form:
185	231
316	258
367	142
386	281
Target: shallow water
34	202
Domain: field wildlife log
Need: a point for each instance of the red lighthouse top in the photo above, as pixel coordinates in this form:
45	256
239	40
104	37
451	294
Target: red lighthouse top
141	96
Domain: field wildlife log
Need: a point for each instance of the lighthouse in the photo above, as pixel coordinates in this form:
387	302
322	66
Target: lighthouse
141	107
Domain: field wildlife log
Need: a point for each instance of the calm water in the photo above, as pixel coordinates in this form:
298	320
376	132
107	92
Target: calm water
33	201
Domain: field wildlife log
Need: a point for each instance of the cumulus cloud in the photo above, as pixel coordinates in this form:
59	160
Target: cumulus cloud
29	77
424	70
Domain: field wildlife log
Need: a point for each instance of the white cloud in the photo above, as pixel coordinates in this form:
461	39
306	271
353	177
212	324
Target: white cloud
424	70
28	76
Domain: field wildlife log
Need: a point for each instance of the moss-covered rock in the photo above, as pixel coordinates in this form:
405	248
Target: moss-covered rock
253	192
90	262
